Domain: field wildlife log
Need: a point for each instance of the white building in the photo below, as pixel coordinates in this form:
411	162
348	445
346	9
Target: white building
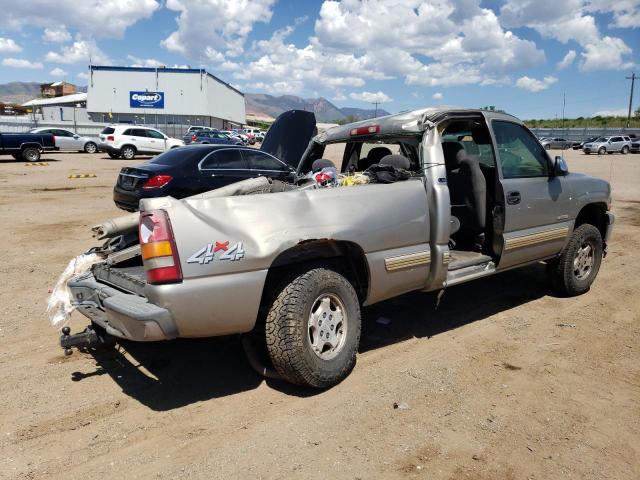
163	97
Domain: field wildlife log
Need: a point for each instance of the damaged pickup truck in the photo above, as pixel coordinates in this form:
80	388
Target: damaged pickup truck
447	196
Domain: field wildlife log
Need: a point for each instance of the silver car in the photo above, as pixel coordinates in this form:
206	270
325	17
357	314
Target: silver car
602	145
67	140
555	143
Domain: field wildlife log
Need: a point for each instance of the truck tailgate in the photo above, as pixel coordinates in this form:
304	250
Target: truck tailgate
130	279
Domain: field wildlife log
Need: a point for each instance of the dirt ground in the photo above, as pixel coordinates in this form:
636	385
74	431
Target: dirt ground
503	381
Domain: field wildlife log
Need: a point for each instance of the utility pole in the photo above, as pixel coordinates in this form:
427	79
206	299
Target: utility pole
564	103
376	103
633	81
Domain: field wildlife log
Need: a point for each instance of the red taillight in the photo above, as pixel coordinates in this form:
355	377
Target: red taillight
110	138
158	248
157	181
366	130
194	138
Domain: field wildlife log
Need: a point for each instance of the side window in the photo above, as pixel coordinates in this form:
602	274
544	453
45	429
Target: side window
62	133
154	134
138	132
616	139
128	131
223	159
258	160
520	154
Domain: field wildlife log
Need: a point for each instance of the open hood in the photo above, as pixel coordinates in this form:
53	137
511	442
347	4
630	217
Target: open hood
289	136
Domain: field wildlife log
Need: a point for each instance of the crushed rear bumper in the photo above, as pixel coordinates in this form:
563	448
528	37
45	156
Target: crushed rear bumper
123	315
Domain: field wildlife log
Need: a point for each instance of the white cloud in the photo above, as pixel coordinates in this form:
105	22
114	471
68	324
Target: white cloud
218	24
58	72
7	45
433	43
437	96
620	112
97	18
83	76
605	54
569	20
56	35
567	60
145	62
534	85
626	13
79	51
371	97
21	63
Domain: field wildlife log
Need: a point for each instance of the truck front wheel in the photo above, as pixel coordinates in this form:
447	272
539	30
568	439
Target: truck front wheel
313	329
575	270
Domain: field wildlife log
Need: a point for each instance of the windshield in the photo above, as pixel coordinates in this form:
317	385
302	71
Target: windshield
601	139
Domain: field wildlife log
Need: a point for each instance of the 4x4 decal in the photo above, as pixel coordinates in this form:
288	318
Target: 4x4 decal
207	253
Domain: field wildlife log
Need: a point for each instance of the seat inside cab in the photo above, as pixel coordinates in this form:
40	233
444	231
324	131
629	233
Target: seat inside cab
471	176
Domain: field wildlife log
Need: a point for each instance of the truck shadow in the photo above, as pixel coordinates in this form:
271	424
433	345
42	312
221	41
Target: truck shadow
169	375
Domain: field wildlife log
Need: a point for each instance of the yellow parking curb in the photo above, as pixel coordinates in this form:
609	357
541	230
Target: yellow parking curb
83	175
36	164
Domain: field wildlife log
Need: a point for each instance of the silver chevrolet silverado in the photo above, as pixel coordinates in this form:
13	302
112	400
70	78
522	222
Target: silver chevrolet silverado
477	195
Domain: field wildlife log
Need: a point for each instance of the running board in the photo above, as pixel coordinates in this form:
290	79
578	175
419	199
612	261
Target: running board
470	273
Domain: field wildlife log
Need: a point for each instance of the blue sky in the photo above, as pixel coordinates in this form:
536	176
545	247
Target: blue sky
519	55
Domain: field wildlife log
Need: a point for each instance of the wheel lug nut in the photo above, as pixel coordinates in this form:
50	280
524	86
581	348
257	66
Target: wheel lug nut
320	322
331	327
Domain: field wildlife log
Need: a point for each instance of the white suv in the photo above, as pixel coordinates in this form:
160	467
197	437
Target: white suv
128	140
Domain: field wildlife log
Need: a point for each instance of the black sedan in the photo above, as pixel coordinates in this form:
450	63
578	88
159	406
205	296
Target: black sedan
211	136
187	171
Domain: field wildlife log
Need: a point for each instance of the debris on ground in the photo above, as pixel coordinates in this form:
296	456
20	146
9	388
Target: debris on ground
570	325
400	406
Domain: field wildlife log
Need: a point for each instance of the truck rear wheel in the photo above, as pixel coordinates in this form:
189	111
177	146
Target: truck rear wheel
313	329
575	270
31	154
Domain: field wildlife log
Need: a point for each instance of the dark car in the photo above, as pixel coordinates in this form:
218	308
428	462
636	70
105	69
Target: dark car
187	171
26	146
211	137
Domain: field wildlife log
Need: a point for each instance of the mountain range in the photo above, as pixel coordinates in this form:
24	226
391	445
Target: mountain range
258	104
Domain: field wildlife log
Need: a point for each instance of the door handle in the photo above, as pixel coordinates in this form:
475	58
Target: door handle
513	198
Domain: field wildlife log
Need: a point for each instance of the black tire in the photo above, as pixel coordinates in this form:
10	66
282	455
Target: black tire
289	333
90	147
563	271
624	150
31	154
113	155
128	152
602	151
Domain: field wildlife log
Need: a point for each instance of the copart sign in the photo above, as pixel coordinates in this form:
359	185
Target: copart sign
146	99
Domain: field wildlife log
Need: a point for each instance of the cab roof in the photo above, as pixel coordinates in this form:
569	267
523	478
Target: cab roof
407	123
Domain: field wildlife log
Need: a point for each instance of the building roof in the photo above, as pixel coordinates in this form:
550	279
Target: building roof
64	100
163	70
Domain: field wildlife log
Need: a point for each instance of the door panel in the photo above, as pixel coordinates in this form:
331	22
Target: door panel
537	205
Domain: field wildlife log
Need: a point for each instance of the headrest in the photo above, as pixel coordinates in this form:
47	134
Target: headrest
453	153
321	163
376	154
395	161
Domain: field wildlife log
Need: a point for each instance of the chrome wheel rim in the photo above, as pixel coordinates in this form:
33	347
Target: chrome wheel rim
31	155
90	148
128	153
327	326
583	261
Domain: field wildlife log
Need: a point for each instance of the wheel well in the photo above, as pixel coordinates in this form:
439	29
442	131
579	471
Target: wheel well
593	214
30	145
129	145
347	258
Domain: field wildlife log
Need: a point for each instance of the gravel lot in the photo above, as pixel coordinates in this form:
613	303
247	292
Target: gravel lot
503	381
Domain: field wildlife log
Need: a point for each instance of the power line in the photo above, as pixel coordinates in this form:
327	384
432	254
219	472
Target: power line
633	81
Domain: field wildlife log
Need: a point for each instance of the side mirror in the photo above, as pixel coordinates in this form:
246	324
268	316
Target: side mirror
560	168
76	136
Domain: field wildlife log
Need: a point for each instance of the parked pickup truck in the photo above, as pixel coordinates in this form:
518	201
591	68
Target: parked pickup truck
453	195
26	146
